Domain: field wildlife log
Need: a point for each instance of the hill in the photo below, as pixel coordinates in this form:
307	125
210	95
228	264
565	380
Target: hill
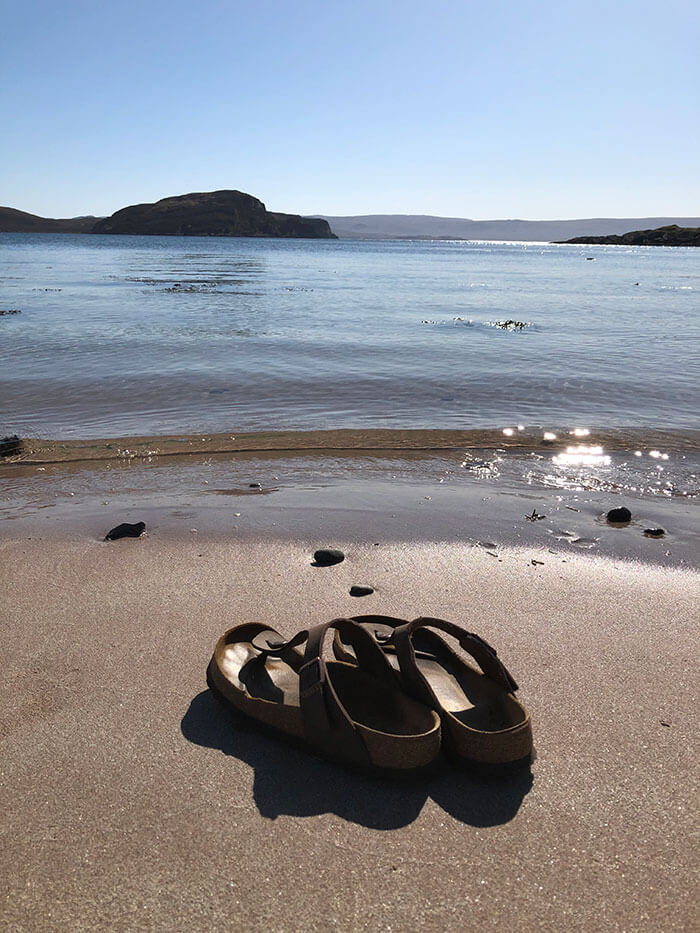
412	226
13	221
671	235
212	213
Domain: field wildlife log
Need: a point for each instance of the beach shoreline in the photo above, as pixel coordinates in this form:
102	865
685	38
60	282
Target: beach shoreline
350	441
285	487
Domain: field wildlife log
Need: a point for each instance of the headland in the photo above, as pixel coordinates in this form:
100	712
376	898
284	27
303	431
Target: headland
212	213
671	235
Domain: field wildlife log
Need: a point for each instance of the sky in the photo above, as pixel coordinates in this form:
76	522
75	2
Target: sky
533	109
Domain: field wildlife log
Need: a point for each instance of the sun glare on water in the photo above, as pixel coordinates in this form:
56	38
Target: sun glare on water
582	455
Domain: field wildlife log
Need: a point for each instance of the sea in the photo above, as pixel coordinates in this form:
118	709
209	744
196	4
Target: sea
567	344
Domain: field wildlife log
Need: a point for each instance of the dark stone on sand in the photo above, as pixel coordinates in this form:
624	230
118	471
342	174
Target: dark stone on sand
327	556
654	532
359	590
10	446
619	516
126	530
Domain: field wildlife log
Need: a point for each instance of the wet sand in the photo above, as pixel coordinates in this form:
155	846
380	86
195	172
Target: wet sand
131	803
103	450
415	493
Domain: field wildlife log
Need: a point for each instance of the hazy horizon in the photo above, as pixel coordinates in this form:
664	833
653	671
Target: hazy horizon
533	111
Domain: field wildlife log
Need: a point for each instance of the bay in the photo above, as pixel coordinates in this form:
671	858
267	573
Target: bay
153	335
123	335
150	336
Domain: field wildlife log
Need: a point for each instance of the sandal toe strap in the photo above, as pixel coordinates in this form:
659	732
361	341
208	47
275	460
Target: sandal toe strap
326	721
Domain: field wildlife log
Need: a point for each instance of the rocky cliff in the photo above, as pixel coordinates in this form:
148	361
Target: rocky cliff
213	213
671	235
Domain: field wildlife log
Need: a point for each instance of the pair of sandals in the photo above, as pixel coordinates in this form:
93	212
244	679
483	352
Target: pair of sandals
395	696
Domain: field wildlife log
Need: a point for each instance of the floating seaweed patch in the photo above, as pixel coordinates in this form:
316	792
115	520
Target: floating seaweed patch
458	321
510	324
179	287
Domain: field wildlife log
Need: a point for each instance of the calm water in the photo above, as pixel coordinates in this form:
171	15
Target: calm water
141	335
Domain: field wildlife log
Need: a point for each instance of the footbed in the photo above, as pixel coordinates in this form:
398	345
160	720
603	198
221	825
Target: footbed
367	700
468	695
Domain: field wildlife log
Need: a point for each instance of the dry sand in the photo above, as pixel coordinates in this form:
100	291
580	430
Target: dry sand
130	803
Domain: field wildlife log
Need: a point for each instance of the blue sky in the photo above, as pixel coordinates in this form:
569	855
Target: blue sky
530	108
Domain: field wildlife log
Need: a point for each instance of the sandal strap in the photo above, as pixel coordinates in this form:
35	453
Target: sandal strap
482	652
326	721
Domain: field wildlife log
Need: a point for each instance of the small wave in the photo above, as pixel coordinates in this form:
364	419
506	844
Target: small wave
482	467
616	479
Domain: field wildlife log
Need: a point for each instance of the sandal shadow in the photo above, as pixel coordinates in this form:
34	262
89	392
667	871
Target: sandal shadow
481	801
290	782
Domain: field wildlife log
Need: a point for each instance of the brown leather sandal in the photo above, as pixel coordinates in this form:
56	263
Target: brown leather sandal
353	713
482	722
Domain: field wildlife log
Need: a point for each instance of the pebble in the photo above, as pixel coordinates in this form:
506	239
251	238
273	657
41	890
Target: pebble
10	446
359	590
126	530
327	556
654	532
619	516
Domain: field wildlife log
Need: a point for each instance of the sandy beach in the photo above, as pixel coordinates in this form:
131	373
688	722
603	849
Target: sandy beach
415	285
132	803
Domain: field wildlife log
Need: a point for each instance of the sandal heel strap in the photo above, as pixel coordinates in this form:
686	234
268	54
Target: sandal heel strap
483	653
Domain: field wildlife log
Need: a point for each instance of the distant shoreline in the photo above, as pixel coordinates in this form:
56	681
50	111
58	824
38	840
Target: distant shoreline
382	226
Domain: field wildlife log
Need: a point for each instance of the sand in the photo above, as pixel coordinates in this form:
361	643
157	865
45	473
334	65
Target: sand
130	802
